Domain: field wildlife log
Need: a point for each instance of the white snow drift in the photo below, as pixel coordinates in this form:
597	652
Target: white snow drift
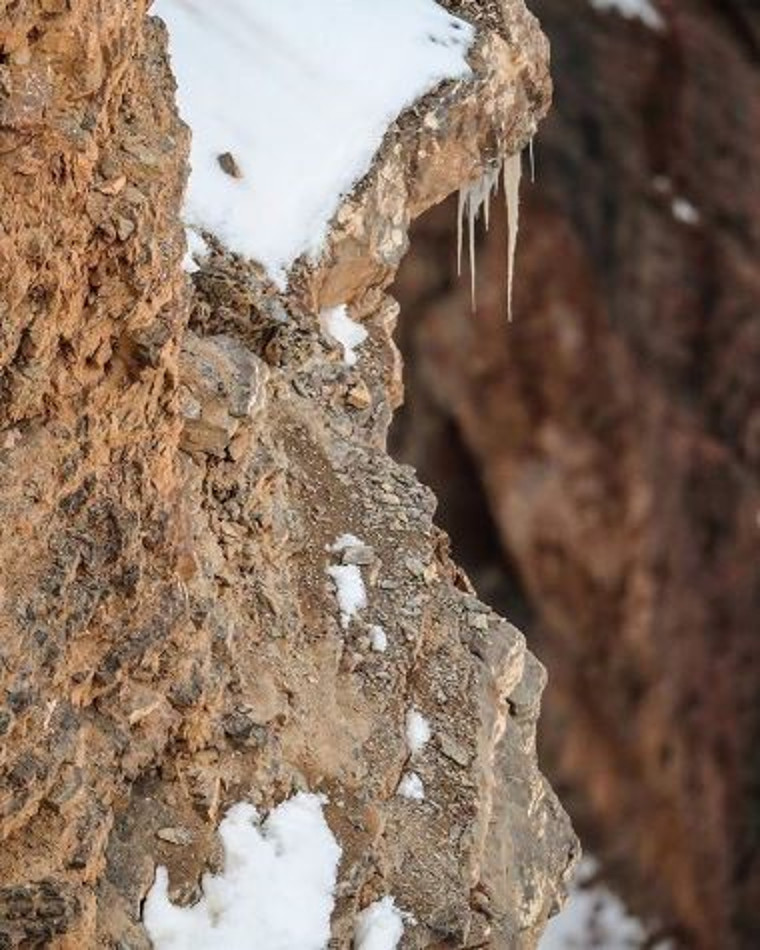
338	326
298	95
378	638
347	579
349	590
411	787
418	731
379	927
594	917
276	891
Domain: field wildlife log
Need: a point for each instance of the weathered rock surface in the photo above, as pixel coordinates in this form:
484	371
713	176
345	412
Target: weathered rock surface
614	428
175	462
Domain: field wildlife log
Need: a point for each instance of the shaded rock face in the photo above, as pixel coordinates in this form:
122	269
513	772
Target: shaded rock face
614	430
175	462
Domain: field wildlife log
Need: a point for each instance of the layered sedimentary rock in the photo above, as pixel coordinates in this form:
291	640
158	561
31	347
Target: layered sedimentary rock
614	429
176	459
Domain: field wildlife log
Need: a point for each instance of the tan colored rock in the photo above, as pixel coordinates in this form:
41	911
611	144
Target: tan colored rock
223	383
359	396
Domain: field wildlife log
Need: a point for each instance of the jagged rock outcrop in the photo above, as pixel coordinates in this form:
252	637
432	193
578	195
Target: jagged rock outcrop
175	462
614	429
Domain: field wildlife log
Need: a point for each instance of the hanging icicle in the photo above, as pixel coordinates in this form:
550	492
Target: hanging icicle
476	197
460	215
512	176
532	154
472	214
473	198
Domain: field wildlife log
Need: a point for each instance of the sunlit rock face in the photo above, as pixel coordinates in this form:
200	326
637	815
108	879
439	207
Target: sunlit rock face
180	629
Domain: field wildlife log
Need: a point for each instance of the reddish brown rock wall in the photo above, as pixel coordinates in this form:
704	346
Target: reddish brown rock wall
614	427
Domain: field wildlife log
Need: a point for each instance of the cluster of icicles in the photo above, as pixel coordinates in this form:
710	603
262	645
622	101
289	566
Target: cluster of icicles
476	197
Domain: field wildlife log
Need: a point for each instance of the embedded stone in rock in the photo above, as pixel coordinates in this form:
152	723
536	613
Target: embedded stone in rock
222	383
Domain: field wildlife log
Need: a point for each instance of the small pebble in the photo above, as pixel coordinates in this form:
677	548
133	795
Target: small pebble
228	165
178	836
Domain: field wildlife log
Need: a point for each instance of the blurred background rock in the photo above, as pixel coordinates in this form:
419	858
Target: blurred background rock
598	460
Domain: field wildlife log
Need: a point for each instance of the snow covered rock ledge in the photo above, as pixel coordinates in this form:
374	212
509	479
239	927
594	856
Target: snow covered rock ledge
450	140
180	639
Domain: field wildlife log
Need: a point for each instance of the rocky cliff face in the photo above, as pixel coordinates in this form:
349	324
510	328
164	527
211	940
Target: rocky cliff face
614	429
176	460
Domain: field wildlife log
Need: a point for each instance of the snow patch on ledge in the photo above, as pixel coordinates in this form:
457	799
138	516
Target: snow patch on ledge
379	927
418	731
378	638
411	787
196	248
338	326
643	10
594	917
347	578
289	102
349	590
276	890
